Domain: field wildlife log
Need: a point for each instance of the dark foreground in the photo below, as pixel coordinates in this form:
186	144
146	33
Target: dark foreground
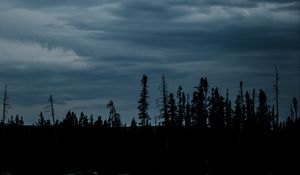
154	150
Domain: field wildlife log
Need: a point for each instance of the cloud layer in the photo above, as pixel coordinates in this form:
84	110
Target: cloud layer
89	51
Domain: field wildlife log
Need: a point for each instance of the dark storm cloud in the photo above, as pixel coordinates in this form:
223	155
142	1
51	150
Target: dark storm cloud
33	4
92	51
144	23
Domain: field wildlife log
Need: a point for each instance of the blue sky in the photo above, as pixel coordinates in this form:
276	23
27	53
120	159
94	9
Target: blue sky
86	53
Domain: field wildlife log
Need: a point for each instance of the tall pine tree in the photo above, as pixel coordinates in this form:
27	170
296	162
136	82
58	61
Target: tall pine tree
143	102
180	106
187	120
172	110
199	104
228	111
263	110
162	102
216	117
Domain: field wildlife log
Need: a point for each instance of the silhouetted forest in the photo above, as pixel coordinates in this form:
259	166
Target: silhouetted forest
199	133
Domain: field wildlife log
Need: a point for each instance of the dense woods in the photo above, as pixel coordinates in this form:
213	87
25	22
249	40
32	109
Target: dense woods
199	133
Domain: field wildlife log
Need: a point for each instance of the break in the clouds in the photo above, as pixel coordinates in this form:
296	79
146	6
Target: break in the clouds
88	52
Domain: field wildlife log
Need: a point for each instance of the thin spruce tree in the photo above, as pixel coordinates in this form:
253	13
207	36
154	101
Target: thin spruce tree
143	102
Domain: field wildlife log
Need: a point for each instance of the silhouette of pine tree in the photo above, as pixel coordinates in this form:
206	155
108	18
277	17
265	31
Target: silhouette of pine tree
99	122
106	124
162	102
242	102
172	110
11	121
291	112
249	111
204	84
83	120
228	111
143	102
133	123
263	111
42	122
91	120
242	114
17	120
295	107
216	117
114	117
238	113
187	119
194	117
70	120
248	107
199	104
273	118
180	107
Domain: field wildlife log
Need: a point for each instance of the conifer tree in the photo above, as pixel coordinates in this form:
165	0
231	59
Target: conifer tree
83	120
114	117
262	110
172	110
216	117
199	104
180	106
162	102
133	123
238	113
228	111
99	122
295	107
143	102
187	120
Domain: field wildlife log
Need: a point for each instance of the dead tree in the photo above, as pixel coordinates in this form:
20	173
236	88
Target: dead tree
6	105
276	88
50	108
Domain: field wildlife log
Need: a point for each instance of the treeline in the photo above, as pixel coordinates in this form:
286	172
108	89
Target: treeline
206	108
202	133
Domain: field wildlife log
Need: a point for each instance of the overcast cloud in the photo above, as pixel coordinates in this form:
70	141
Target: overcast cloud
89	52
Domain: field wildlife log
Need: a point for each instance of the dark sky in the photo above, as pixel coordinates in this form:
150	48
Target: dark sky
89	52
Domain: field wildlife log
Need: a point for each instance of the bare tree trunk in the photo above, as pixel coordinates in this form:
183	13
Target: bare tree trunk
51	108
276	91
5	105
